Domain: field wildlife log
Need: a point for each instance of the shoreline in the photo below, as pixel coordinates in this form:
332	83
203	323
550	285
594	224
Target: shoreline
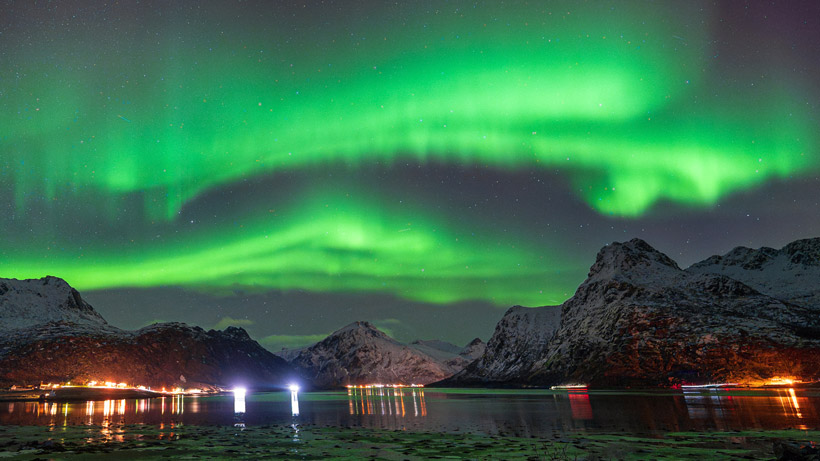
74	394
84	394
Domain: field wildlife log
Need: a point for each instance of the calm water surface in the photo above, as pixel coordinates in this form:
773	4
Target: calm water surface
509	412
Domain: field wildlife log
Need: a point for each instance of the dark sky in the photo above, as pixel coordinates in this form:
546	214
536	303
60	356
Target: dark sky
291	168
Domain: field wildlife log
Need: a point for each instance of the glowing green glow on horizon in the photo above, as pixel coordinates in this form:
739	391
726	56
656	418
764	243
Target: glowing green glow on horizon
336	245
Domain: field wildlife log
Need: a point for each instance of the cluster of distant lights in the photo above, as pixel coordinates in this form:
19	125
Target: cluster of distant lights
124	386
379	386
237	391
240	392
777	381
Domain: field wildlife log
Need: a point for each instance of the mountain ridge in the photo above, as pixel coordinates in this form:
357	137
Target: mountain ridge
51	334
638	319
359	353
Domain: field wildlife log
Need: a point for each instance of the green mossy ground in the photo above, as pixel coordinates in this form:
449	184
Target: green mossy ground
312	442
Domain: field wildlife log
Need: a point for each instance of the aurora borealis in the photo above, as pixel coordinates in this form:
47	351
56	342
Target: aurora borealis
436	153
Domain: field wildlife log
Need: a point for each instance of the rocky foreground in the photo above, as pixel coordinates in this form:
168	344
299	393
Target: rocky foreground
639	320
50	334
140	441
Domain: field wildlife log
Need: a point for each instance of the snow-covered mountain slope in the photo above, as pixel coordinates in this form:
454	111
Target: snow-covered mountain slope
26	303
791	273
638	319
361	354
50	334
520	339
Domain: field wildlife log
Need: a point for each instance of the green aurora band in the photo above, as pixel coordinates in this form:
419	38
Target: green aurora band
340	245
610	97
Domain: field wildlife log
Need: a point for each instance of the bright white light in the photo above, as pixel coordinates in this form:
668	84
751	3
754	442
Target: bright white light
294	399
239	400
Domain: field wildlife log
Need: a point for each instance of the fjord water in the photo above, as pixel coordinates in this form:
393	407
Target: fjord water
521	413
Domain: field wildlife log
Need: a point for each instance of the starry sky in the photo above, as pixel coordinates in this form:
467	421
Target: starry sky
292	167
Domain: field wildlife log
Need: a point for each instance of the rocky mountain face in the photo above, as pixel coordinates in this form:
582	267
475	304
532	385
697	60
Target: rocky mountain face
520	339
791	273
640	320
25	303
473	350
361	354
72	342
453	357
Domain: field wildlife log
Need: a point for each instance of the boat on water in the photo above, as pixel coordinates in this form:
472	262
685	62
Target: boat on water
711	386
564	387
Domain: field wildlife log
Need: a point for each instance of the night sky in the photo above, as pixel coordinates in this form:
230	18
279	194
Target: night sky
291	168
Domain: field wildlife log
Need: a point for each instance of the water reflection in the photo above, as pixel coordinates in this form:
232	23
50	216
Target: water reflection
294	401
727	409
579	404
239	407
386	401
789	404
700	404
523	413
239	401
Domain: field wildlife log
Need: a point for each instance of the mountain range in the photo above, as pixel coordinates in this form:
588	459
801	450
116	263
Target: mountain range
48	333
360	354
639	320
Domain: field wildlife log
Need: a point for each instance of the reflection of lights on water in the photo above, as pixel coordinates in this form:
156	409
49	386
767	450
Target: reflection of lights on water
703	402
710	403
177	404
294	400
194	406
789	403
239	399
294	410
295	432
794	401
371	400
111	407
579	404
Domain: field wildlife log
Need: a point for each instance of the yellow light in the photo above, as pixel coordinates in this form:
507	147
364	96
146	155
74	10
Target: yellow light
777	381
